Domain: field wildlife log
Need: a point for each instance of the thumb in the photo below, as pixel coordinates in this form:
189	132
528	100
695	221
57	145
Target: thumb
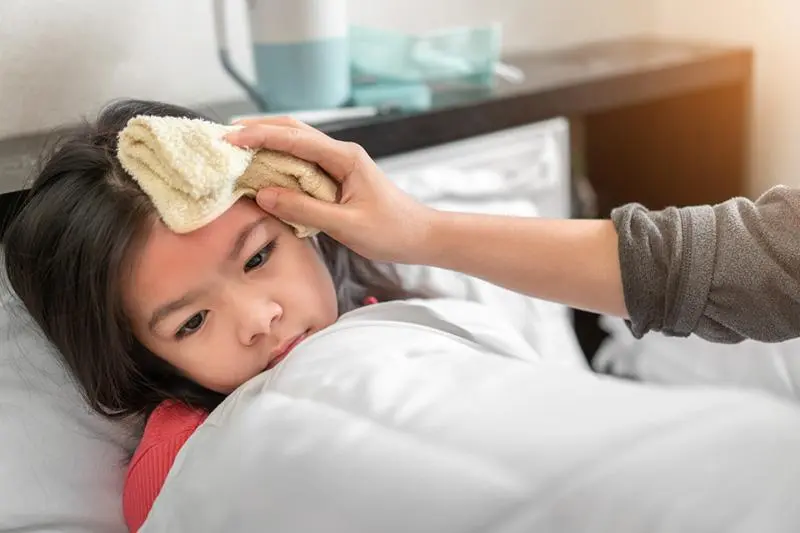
299	208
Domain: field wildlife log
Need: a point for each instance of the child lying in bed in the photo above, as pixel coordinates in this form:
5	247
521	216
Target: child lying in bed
164	325
160	324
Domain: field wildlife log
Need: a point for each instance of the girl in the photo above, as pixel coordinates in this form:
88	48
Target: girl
163	325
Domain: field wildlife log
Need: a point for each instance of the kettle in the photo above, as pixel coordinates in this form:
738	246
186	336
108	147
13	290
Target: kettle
300	51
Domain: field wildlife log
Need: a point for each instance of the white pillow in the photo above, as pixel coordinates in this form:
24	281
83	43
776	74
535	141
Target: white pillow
773	368
546	326
61	466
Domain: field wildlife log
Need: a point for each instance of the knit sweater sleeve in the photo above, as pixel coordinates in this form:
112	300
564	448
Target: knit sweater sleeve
726	272
167	430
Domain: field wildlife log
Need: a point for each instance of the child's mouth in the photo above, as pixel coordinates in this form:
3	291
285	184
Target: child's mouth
284	350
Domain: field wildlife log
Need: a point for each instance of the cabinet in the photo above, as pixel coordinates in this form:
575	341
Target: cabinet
517	171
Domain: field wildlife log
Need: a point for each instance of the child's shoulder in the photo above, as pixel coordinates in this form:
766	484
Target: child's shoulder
167	430
171	416
170	425
170	413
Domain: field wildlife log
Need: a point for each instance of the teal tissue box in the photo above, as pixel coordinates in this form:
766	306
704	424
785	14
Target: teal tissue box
404	96
467	53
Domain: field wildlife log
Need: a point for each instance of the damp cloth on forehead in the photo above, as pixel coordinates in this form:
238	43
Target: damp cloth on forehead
193	175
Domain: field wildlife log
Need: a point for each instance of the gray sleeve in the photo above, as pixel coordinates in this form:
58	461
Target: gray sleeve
726	272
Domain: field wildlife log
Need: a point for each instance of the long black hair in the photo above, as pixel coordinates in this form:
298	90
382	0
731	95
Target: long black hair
69	247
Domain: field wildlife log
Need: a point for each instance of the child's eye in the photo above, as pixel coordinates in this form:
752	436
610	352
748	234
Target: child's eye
192	325
260	258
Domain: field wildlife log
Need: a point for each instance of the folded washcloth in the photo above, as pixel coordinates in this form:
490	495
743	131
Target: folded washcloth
193	175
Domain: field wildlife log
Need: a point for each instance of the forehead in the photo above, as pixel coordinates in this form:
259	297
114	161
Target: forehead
220	232
167	261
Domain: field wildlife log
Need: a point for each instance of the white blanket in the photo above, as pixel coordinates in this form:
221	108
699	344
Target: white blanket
771	367
429	417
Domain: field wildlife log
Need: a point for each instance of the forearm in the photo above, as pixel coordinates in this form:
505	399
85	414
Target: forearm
574	262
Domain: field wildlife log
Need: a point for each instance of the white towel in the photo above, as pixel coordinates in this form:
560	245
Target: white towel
193	175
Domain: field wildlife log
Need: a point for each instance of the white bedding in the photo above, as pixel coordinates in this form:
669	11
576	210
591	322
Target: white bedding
773	368
63	466
433	417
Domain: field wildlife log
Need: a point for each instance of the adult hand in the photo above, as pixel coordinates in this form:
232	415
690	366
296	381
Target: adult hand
373	217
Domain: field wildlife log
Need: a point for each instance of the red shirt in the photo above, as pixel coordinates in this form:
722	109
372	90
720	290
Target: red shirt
167	430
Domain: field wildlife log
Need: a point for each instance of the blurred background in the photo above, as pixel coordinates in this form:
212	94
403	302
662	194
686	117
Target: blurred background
60	59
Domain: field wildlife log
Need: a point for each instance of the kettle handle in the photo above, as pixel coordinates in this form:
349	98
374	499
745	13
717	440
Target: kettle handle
225	56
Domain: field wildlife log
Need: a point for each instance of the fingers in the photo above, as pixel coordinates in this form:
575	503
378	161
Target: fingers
294	206
274	121
336	157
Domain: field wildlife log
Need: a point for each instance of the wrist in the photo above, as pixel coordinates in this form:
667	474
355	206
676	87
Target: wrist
431	246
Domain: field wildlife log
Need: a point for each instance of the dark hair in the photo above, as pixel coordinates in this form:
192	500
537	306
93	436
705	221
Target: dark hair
68	249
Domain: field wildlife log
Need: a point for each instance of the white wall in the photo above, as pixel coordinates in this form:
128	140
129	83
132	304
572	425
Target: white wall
61	59
773	28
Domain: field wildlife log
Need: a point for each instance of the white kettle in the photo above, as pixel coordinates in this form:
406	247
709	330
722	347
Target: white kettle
300	50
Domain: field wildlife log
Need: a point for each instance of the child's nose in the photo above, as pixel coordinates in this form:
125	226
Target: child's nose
256	318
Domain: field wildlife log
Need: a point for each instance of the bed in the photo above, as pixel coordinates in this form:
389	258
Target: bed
62	466
772	368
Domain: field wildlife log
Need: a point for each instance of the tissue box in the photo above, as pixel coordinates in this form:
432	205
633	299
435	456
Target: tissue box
401	96
466	54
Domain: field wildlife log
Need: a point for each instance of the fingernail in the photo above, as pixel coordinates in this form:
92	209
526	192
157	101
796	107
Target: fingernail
267	198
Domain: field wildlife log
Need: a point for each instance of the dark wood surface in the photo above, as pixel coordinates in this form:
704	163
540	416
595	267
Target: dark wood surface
682	150
589	79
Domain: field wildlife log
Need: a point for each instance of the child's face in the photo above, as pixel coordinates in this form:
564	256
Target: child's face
223	303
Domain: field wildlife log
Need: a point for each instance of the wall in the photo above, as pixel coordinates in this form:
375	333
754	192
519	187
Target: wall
771	27
62	59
